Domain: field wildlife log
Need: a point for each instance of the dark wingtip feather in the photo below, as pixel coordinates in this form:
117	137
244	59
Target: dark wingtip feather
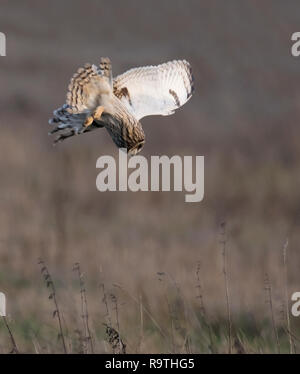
191	79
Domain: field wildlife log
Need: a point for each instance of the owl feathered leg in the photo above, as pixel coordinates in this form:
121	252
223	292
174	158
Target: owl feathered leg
95	116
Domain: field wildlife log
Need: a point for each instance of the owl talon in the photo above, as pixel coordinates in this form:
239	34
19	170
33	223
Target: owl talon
88	121
96	115
98	112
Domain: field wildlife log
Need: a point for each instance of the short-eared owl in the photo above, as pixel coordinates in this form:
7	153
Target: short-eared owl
97	100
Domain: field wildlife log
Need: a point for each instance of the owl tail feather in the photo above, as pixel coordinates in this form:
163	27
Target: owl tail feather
68	124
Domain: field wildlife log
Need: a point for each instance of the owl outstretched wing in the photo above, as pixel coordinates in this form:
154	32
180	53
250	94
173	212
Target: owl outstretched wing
86	87
155	90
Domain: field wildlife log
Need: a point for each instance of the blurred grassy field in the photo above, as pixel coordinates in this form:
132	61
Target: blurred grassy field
243	117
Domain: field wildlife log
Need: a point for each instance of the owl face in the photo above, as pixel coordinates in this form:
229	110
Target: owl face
137	148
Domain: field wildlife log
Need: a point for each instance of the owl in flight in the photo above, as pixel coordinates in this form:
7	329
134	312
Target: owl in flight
95	99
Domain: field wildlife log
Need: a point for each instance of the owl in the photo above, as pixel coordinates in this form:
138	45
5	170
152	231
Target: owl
97	100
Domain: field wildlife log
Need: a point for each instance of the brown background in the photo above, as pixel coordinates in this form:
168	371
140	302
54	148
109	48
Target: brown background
243	117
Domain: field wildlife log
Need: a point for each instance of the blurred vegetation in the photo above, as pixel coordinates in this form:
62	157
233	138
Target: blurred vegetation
243	118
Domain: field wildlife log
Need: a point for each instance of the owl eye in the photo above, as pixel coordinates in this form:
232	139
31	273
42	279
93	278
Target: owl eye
140	146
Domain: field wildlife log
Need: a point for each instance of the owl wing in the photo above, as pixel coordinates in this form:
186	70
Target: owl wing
155	90
87	84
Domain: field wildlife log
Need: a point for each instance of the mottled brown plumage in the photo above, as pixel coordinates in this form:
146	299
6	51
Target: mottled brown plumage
95	100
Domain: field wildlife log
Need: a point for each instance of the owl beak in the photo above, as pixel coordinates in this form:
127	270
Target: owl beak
136	149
